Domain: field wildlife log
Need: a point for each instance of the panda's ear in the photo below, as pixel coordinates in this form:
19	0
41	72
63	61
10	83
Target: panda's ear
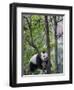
43	51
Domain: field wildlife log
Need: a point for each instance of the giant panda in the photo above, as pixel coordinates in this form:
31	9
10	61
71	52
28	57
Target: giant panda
39	62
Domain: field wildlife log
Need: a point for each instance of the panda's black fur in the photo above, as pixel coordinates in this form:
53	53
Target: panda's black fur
38	64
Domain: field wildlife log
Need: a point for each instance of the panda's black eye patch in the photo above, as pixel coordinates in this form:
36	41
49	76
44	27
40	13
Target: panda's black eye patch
43	56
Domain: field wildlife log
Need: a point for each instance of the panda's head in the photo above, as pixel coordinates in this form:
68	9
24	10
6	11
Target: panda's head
44	56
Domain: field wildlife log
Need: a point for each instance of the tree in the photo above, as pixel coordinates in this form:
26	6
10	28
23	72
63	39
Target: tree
48	43
57	36
55	29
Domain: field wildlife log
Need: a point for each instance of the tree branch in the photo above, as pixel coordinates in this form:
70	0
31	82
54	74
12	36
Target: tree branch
59	20
60	35
33	45
31	36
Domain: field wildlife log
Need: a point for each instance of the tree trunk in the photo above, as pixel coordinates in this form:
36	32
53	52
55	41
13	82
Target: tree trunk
55	29
48	44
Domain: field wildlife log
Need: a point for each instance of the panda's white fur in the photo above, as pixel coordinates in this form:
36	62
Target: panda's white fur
33	59
43	57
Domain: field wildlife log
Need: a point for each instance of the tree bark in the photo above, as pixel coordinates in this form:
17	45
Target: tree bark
55	29
48	44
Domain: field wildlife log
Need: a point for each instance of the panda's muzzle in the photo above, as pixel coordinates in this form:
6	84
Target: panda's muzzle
46	58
